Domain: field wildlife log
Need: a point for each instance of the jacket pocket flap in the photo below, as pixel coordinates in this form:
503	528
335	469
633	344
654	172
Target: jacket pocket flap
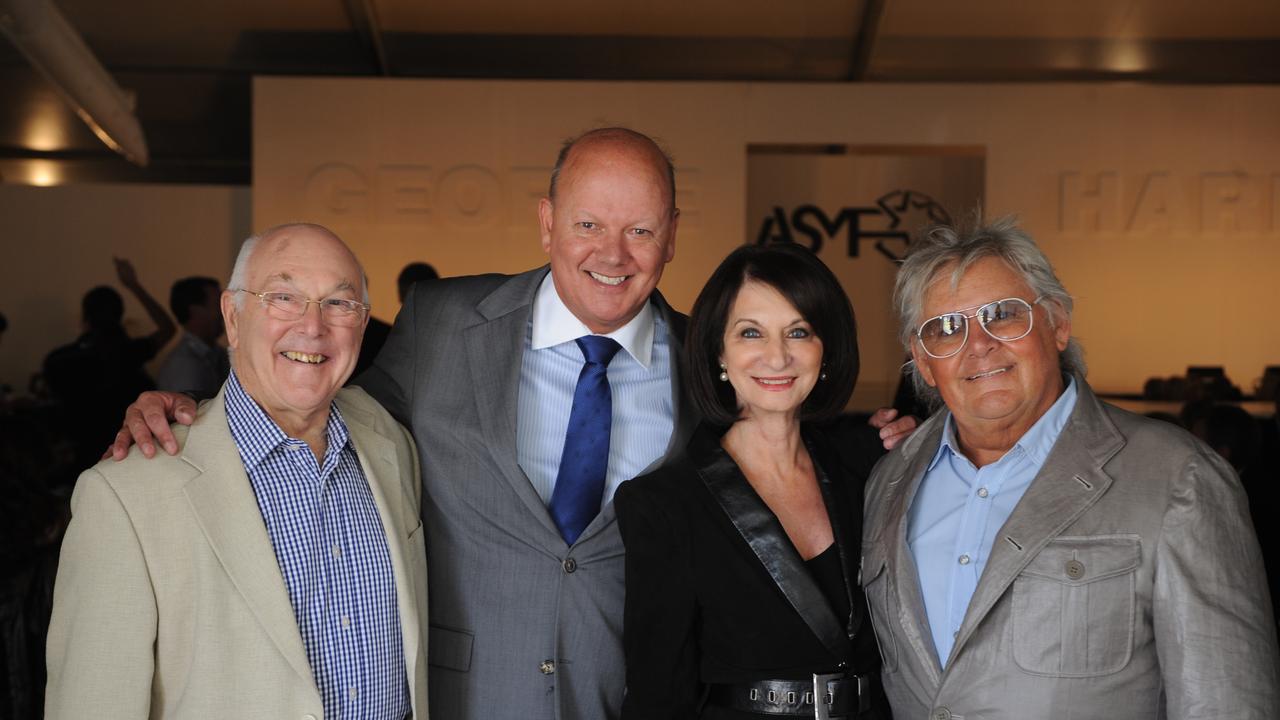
1086	559
449	648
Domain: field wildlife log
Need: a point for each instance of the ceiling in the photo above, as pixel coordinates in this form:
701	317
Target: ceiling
190	64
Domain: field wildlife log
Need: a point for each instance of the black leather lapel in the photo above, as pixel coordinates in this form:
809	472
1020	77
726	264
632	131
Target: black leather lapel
764	534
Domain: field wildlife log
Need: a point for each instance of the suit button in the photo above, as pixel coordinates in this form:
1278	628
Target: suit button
570	565
1075	569
941	714
547	667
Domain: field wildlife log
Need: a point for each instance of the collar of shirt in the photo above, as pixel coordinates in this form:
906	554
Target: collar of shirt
554	323
256	435
1035	443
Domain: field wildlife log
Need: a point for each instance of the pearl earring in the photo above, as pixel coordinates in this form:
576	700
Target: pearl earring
724	373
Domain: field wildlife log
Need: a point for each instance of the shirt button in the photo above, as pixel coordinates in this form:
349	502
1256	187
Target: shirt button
964	559
337	551
982	492
346	621
547	667
352	693
570	565
1075	569
941	714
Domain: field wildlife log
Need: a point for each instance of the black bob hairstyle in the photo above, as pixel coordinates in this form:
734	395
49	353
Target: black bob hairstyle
806	283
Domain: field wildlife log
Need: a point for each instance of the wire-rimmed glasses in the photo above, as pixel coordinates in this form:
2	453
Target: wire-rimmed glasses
291	306
1005	320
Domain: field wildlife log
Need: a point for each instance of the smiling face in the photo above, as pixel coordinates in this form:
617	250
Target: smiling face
294	368
994	389
771	354
609	230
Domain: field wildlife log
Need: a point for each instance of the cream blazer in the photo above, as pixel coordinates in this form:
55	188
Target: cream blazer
169	601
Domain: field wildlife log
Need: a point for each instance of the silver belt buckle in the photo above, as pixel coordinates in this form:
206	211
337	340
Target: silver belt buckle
822	699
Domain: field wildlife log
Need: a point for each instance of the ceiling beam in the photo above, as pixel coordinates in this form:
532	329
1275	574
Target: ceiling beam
1003	59
865	40
364	20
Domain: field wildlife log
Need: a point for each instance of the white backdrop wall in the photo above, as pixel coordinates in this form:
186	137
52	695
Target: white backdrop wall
1158	204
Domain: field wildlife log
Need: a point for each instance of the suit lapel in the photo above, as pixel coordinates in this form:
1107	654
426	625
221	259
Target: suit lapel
225	507
760	528
1070	481
913	618
686	415
378	460
492	342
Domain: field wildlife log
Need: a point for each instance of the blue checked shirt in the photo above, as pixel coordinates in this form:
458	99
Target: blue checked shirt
329	542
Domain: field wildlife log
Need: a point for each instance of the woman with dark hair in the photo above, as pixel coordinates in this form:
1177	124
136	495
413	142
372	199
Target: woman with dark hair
742	555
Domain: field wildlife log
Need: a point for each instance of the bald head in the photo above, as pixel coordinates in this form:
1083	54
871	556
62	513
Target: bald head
289	233
616	138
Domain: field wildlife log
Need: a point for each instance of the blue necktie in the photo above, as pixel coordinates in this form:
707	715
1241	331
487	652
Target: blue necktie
585	460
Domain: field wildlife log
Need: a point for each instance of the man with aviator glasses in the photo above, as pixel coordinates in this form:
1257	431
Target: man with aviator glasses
1032	552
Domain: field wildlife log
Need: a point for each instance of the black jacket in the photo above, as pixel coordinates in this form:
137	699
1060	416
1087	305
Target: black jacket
716	592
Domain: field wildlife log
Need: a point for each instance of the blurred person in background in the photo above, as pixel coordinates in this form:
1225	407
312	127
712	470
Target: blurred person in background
96	377
376	334
197	364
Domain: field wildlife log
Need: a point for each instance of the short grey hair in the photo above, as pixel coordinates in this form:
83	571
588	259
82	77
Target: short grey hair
942	247
240	271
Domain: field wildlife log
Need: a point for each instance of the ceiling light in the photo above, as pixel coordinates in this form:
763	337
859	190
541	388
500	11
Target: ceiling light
53	46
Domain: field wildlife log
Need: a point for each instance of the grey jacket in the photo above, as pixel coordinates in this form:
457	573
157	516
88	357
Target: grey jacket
1127	584
521	626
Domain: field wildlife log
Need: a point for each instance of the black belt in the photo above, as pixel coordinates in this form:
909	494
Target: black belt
837	695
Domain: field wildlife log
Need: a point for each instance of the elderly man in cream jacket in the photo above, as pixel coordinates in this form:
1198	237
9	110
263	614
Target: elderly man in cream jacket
276	567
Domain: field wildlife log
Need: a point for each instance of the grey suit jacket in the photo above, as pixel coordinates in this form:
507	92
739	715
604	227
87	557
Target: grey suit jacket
522	626
169	601
1127	583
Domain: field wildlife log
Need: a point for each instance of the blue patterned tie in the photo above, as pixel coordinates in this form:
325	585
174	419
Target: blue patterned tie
585	460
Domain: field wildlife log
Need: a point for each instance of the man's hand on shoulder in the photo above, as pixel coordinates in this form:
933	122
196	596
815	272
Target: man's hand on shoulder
892	431
146	422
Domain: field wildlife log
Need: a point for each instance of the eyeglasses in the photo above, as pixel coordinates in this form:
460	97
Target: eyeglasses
1005	320
291	306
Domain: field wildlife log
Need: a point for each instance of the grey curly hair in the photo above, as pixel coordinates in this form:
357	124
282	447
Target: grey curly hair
941	248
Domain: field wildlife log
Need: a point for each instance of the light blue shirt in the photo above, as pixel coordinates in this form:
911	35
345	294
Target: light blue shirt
640	380
958	510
